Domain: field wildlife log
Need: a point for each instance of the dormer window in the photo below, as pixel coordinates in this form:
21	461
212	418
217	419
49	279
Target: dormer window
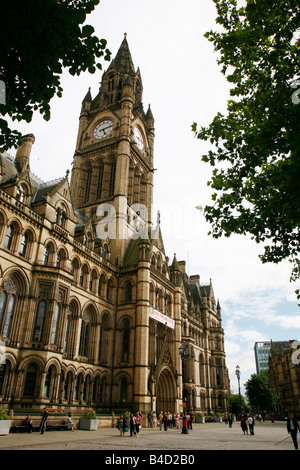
88	240
60	216
21	194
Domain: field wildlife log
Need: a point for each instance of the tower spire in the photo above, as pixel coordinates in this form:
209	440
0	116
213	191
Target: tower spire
123	60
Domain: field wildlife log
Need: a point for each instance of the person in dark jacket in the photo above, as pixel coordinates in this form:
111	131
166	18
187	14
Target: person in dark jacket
292	428
43	422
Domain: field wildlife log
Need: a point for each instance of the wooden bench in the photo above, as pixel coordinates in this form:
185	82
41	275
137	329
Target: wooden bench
209	419
20	426
56	424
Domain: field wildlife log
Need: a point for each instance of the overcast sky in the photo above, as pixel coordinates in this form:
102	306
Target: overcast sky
183	84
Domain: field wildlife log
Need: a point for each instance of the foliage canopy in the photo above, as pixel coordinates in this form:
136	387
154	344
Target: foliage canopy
38	39
255	153
259	393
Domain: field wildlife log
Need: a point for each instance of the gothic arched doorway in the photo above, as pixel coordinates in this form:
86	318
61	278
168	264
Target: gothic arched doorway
166	392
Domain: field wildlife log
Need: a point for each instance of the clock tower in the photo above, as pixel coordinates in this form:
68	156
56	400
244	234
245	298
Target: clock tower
112	175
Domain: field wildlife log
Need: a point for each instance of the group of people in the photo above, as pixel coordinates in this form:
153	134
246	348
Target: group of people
29	424
227	418
168	420
247	423
164	420
135	424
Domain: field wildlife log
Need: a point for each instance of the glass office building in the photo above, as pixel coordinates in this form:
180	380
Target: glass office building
262	352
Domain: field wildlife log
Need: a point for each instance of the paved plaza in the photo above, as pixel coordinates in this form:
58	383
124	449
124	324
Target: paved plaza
210	436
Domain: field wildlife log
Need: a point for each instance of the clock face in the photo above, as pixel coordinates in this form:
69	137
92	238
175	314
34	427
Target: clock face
138	138
103	129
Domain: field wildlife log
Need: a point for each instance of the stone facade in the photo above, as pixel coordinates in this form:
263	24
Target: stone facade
284	376
92	313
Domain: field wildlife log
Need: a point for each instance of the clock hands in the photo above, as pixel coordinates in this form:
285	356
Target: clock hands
103	129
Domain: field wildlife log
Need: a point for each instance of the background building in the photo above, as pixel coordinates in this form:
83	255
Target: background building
284	376
261	352
92	312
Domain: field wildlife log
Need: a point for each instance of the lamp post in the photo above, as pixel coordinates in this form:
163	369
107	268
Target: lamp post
238	374
183	351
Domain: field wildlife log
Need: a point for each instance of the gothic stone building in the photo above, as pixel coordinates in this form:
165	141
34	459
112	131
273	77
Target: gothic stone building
284	376
92	314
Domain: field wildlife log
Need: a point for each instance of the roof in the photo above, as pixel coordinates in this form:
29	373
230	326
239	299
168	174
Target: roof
123	60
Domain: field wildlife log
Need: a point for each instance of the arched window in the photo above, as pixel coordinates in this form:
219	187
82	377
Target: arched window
23	244
67	386
60	216
87	240
67	331
84	335
125	340
88	184
81	277
2	376
58	259
91	281
105	251
123	391
21	194
109	290
96	390
55	323
112	177
220	401
9	237
104	337
103	390
7	308
100	180
47	384
100	283
46	255
218	375
128	292
30	381
39	321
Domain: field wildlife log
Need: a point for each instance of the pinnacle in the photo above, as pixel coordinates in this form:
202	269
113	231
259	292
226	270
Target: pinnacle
123	60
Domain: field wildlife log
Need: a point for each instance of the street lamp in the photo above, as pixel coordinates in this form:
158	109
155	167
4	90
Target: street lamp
184	351
238	374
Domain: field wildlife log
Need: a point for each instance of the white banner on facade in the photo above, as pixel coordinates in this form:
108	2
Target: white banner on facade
158	316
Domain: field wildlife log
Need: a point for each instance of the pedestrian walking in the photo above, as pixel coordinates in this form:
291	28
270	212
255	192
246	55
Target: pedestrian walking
230	420
138	423
251	424
160	420
292	428
154	419
177	420
165	420
244	423
132	425
44	419
121	425
150	419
